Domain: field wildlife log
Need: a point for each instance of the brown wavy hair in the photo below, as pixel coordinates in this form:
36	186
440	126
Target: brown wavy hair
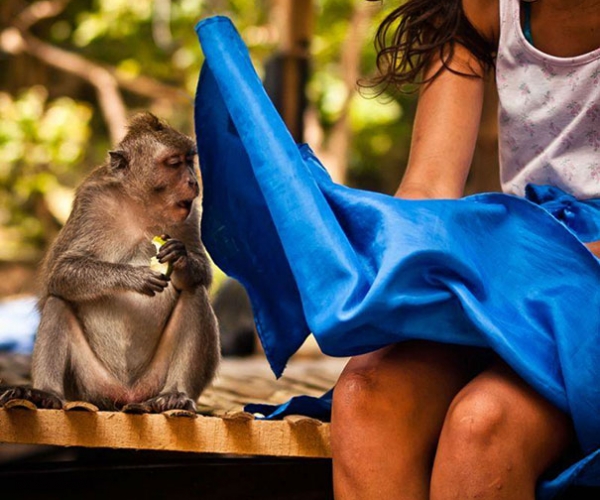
412	34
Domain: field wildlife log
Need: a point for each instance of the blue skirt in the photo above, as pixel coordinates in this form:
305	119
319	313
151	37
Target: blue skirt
361	270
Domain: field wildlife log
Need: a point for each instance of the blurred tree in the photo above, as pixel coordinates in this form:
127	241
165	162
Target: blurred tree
91	63
72	71
40	143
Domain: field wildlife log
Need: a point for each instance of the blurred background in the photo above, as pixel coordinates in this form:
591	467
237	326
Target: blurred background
71	72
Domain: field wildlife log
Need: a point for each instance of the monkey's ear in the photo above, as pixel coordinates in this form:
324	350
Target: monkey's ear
118	160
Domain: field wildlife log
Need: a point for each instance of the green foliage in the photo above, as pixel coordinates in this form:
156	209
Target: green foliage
380	125
45	145
40	142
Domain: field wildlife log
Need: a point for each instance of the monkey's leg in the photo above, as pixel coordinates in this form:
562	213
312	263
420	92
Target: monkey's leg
187	355
63	362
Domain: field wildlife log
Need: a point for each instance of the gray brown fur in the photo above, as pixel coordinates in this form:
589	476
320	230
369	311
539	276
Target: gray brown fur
112	331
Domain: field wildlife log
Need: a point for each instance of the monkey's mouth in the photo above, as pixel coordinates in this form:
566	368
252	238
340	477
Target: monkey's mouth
185	204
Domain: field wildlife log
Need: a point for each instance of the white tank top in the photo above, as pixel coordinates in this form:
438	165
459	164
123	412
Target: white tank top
549	114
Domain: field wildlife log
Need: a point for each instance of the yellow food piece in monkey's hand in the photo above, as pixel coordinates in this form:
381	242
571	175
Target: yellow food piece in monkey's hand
164	268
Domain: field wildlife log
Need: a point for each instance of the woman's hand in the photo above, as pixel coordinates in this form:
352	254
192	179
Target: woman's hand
594	247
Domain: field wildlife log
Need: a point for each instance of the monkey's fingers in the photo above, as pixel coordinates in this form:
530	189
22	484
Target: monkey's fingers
160	280
171	401
173	258
41	399
12	393
151	289
172	242
171	251
156	283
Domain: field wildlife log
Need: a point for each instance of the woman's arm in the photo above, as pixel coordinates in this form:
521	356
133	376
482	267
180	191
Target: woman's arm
444	135
444	131
448	116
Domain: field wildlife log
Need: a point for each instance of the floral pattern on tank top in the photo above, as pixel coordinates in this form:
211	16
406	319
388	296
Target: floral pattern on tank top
549	114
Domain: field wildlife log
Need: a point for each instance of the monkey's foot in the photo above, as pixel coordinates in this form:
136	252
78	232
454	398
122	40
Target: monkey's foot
171	401
41	399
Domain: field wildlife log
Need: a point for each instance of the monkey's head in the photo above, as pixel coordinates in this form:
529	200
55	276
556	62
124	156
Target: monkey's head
155	165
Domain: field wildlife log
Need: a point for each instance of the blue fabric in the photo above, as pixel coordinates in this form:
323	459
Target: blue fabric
362	270
19	319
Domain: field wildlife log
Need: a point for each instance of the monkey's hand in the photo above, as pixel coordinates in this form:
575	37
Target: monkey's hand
149	282
184	275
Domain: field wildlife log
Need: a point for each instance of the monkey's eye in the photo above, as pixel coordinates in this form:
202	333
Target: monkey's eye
174	161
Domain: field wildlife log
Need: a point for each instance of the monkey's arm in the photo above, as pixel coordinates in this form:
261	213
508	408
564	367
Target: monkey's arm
76	278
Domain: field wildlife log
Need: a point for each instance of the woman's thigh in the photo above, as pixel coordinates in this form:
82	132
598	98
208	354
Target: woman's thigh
499	434
388	410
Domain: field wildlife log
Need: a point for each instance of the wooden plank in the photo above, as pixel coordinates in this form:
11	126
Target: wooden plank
231	436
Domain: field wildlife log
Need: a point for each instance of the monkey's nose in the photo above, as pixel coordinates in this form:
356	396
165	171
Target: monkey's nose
193	183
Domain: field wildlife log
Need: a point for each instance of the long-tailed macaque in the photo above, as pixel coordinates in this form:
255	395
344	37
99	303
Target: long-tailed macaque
114	332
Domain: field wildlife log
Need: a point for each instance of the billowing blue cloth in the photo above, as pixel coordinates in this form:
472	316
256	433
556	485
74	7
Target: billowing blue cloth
362	270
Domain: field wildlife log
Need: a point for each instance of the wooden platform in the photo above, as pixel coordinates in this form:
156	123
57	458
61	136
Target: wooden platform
221	426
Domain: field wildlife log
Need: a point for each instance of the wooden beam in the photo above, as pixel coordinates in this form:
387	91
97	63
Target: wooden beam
297	437
297	22
294	20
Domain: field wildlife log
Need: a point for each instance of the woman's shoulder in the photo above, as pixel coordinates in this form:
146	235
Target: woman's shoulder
484	15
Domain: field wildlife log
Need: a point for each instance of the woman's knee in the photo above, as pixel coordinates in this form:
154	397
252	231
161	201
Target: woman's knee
469	460
475	420
497	431
408	381
375	391
355	413
356	390
381	421
499	409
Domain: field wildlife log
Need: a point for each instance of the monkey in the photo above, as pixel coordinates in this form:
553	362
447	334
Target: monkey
112	331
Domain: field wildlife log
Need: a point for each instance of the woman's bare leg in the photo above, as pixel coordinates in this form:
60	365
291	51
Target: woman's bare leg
388	410
499	436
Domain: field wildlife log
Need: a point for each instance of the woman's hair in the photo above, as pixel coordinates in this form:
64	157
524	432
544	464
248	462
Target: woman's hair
412	34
